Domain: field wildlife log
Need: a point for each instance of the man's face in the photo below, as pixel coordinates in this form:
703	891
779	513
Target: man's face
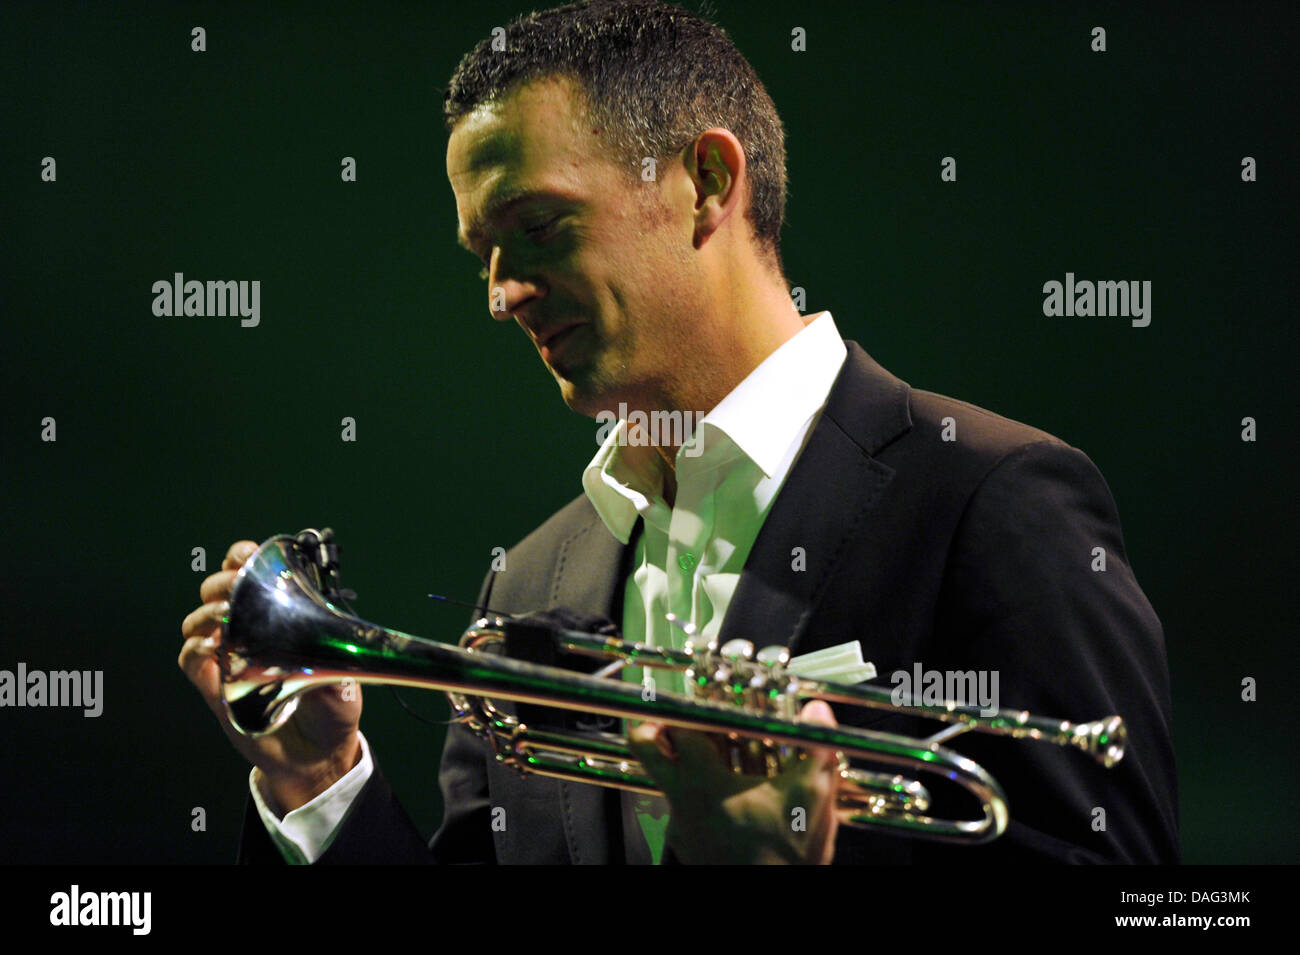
595	268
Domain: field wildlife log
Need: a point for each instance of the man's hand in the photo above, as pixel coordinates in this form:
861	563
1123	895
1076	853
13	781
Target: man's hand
718	816
319	743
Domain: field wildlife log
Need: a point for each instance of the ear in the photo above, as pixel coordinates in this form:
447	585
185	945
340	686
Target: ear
715	161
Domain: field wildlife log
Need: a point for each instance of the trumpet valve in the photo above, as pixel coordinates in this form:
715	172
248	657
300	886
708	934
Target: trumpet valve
738	650
774	656
732	676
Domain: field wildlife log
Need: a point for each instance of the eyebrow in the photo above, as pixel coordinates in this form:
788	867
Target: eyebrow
498	206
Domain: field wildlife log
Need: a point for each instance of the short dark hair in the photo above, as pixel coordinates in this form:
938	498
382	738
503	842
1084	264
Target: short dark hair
654	77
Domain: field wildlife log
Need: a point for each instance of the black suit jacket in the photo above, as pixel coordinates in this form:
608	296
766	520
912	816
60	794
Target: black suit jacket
968	554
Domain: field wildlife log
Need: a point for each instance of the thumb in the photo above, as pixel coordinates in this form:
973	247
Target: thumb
819	713
650	744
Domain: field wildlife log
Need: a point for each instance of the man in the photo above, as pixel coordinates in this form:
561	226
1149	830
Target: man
819	502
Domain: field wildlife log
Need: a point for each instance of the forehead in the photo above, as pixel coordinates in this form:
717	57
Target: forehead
536	139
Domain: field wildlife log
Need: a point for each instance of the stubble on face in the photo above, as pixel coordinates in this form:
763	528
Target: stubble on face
630	277
648	308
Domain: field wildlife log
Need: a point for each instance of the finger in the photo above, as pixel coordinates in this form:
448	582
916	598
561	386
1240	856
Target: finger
239	552
217	586
206	620
650	744
652	735
819	713
823	778
706	759
195	653
823	833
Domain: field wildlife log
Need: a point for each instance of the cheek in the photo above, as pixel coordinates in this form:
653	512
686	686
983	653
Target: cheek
644	305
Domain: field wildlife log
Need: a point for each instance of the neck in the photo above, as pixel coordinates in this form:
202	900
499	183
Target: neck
742	322
749	331
669	472
744	316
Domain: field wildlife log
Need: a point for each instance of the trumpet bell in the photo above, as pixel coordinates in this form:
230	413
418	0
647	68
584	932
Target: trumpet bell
280	637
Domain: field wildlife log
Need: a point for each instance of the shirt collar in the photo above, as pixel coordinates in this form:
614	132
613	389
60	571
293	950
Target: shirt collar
763	414
760	417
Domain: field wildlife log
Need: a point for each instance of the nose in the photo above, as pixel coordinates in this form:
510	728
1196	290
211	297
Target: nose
508	290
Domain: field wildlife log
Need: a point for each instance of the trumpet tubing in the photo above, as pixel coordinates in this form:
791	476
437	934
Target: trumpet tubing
286	633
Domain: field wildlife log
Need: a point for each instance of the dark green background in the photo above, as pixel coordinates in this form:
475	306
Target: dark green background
182	432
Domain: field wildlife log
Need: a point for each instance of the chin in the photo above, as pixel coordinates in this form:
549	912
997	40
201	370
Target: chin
578	399
585	397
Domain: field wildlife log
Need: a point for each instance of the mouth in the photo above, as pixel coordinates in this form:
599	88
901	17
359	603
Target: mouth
549	342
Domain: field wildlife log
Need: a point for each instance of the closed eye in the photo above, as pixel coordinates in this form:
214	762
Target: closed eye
536	230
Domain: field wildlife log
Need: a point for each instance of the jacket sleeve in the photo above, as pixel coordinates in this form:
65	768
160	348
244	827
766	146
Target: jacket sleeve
376	831
1038	590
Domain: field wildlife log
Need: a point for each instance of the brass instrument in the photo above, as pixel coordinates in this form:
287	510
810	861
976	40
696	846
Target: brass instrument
285	633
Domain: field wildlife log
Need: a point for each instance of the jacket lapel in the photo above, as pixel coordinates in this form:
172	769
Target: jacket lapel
589	573
588	570
821	507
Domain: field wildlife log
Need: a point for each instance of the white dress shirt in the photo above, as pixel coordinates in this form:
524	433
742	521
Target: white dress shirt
690	556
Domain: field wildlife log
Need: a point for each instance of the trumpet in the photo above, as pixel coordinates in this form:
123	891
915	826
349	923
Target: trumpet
289	629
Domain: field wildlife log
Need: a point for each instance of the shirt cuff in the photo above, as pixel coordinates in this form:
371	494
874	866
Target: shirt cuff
304	834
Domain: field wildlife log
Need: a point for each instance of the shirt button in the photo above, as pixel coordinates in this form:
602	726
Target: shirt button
686	561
